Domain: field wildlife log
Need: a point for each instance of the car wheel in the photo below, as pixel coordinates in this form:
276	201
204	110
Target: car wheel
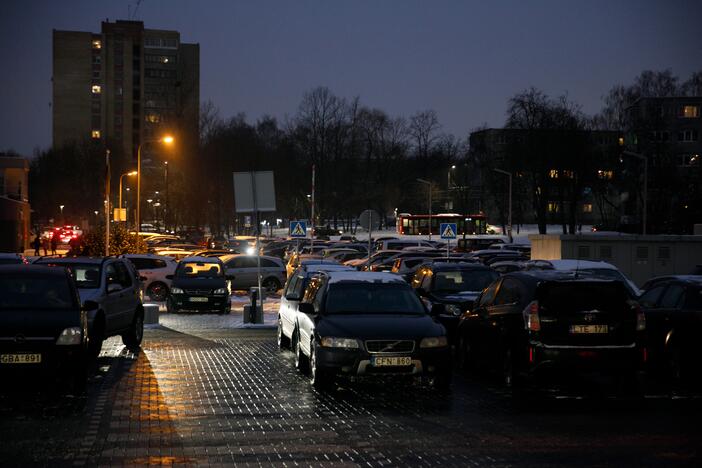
271	285
283	341
320	380
132	339
157	291
300	358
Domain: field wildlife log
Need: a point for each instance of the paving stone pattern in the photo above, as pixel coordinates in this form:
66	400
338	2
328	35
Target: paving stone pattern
203	393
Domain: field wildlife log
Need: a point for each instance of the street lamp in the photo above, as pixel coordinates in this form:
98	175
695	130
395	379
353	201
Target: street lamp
132	173
509	216
61	208
429	184
168	140
448	177
645	187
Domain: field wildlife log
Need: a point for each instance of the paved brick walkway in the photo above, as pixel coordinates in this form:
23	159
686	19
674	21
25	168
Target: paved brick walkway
203	393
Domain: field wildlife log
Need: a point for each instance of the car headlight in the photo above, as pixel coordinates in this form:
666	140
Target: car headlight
250	251
331	342
453	309
175	290
70	336
434	342
221	291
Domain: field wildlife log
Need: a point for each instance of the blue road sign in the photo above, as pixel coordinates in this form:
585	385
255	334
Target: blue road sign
298	229
448	230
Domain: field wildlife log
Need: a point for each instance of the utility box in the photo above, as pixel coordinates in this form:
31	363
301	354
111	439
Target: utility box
151	314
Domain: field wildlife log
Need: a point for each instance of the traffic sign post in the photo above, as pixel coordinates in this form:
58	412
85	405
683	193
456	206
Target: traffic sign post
448	232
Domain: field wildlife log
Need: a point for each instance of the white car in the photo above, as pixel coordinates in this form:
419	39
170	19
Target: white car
155	268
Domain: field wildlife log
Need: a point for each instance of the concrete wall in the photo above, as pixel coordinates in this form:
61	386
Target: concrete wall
638	257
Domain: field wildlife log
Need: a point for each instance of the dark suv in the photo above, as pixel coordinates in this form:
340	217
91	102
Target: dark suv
199	285
368	325
113	283
528	322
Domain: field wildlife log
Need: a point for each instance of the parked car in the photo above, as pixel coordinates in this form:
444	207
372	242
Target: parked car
377	257
198	285
507	266
386	265
673	309
455	285
523	248
13	259
532	322
112	283
292	294
43	325
487	256
399	244
365	325
299	259
478	242
177	254
407	266
155	270
242	272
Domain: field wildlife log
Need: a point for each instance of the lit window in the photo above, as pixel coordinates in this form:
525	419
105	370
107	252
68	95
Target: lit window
607	175
587	208
95	133
690	112
153	118
553	173
96	89
621	141
97	44
554	207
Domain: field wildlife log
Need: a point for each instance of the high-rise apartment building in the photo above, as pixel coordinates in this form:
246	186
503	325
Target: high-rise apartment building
124	86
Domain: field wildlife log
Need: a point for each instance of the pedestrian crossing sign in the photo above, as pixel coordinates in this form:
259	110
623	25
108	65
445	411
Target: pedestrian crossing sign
448	230
298	229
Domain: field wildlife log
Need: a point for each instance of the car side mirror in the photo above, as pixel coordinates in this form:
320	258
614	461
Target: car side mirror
113	287
306	308
89	306
438	309
170	277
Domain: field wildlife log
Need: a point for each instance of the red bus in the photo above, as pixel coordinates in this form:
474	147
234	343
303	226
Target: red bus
409	224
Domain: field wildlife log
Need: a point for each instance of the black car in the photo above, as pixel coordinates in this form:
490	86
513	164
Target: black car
43	327
455	285
673	309
528	323
199	285
352	324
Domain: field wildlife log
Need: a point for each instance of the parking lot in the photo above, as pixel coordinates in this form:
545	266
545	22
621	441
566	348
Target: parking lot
202	392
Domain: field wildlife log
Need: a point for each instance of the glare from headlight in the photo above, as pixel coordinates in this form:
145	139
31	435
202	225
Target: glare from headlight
221	291
332	342
250	251
70	336
434	342
175	290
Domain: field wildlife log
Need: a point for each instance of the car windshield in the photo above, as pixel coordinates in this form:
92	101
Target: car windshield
199	270
462	280
87	275
372	298
34	292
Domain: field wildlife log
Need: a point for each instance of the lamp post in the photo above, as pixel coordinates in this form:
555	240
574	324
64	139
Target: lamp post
61	210
132	173
166	207
167	140
448	177
429	184
645	187
509	216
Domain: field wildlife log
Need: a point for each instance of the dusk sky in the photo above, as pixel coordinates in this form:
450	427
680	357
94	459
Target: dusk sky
462	59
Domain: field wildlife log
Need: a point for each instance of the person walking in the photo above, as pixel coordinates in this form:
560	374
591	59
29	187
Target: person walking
54	242
45	245
36	243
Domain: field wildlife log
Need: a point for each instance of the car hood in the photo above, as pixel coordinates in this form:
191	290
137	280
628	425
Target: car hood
379	326
199	283
464	297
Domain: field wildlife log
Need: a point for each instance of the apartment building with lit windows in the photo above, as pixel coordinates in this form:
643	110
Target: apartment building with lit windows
124	85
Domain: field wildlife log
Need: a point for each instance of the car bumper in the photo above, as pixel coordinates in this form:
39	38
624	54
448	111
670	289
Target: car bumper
356	362
599	359
184	302
54	360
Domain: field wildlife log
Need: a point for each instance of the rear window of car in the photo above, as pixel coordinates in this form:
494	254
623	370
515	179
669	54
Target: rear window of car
198	270
463	280
35	292
579	296
372	298
693	299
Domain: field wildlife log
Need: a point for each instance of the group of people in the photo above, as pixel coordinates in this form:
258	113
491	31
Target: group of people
51	243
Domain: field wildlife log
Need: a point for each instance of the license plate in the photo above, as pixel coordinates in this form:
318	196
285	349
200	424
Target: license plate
198	299
380	361
589	329
20	358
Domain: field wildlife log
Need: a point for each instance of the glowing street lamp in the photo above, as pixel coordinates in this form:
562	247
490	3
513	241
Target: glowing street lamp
168	140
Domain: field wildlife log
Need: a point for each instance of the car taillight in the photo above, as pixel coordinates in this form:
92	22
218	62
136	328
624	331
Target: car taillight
640	319
531	316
